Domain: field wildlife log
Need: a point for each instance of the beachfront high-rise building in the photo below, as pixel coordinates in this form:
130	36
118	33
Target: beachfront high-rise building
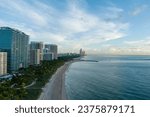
48	55
82	53
53	48
3	63
36	46
35	56
16	44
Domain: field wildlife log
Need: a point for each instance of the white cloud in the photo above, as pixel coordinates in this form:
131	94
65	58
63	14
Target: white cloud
72	28
113	13
144	42
139	10
137	47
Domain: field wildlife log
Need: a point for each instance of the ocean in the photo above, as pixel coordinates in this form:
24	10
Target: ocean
111	78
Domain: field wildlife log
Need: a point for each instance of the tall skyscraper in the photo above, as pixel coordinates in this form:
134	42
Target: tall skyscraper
82	53
3	63
53	48
16	44
34	46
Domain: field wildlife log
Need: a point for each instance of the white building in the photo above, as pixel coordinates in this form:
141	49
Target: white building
35	56
3	63
37	45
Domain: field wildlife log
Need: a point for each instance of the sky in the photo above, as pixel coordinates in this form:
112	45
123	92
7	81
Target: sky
98	26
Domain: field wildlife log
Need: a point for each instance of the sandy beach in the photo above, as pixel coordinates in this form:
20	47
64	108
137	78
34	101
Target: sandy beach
55	88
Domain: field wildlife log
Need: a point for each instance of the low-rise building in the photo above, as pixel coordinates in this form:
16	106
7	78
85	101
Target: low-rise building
53	48
48	55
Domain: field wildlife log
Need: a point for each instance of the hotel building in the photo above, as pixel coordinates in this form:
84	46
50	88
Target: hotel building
16	44
37	49
35	57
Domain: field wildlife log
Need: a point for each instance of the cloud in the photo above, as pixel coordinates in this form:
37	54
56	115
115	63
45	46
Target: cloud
71	27
139	10
137	47
144	42
113	13
22	10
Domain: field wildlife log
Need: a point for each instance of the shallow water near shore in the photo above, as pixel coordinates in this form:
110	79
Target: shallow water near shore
111	78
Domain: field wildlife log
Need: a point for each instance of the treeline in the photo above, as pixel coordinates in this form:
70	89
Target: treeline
28	82
17	87
69	57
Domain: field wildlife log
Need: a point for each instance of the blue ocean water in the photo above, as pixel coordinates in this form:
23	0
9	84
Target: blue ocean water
111	78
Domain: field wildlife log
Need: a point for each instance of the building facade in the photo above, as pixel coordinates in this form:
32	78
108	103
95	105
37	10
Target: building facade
36	46
35	57
81	52
3	63
48	55
16	44
53	48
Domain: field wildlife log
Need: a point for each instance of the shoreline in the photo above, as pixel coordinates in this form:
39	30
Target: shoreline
55	89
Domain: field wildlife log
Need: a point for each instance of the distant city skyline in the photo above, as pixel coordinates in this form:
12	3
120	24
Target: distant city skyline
97	26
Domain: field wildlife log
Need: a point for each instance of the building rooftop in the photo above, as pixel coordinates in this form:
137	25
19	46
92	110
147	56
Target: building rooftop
51	44
13	29
35	42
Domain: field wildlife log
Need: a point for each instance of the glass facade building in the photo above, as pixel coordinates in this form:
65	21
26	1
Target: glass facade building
16	44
